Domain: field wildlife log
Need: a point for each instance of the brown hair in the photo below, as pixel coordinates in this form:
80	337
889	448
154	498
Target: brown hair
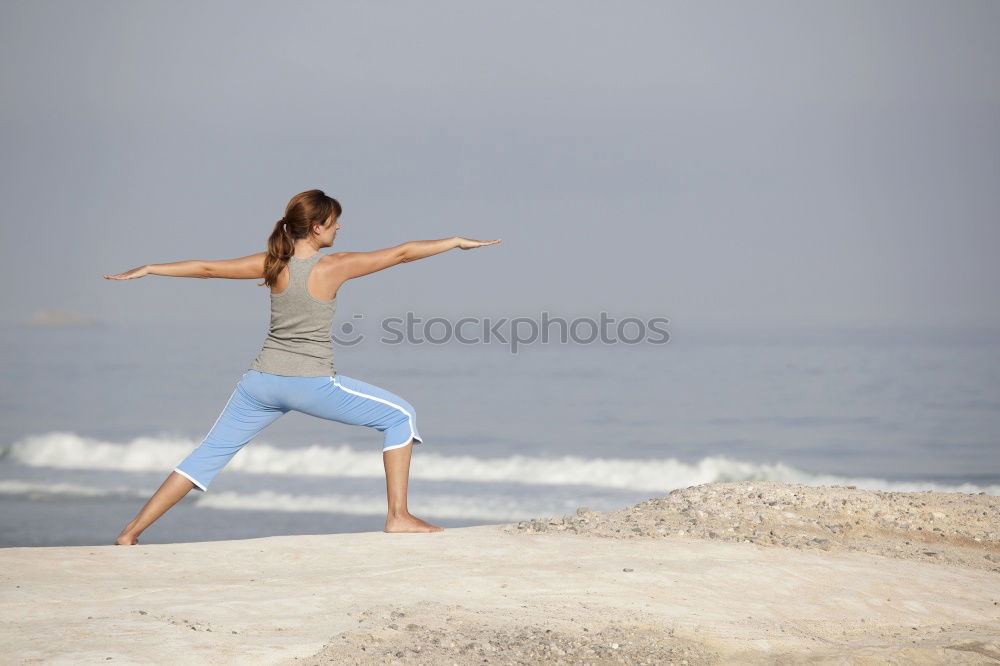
304	210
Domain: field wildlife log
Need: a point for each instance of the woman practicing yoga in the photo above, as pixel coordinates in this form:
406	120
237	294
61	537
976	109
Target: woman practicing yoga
295	368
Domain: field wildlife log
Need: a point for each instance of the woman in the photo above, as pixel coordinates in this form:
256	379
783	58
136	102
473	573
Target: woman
295	369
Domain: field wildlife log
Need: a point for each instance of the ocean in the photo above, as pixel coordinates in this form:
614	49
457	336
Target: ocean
95	417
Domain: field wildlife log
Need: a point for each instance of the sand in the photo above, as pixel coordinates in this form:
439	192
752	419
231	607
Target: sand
743	572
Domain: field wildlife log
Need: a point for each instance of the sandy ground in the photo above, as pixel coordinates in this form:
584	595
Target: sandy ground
747	572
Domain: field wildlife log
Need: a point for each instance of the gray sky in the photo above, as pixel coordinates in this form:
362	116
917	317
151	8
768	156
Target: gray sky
793	162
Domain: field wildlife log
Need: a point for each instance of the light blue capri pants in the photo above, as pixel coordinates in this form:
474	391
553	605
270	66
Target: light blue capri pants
261	398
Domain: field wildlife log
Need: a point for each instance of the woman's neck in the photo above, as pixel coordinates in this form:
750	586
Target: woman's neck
304	250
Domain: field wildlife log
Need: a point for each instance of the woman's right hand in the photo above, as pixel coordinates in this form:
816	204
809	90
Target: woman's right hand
128	275
468	243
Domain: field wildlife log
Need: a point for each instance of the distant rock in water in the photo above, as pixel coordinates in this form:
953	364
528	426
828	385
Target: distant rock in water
58	318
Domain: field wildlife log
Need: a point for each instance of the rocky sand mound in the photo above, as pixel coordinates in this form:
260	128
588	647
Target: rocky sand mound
953	528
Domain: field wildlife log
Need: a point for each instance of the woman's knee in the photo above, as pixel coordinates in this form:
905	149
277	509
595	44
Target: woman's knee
406	407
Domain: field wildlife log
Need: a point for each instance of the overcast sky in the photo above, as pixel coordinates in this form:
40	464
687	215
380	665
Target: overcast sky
767	162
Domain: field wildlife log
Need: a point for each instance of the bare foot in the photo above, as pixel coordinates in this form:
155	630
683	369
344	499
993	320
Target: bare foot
409	523
126	540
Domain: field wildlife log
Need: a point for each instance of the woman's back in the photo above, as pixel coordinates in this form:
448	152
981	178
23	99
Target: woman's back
299	342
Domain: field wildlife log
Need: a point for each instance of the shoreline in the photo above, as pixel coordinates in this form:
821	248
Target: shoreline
792	572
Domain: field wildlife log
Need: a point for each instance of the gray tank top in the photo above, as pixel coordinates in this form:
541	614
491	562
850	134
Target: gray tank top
299	342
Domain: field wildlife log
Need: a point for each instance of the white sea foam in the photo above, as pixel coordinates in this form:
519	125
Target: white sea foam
67	450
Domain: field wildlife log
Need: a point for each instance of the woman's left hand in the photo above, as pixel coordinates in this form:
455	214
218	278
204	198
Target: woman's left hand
128	275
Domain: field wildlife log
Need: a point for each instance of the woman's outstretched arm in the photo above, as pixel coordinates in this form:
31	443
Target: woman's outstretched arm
355	264
420	249
244	268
